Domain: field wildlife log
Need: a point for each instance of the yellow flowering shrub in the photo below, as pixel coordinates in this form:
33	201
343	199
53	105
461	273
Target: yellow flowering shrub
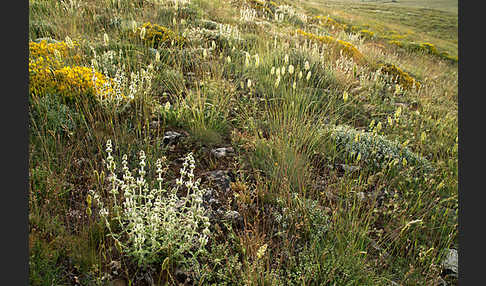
156	35
44	59
403	78
423	47
346	48
367	34
73	80
396	43
49	72
261	5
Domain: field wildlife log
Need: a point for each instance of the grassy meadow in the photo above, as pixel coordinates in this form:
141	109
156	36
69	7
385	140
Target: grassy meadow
242	142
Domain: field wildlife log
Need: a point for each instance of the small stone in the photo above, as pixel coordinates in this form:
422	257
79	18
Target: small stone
222	152
47	39
232	215
361	196
347	168
171	137
451	262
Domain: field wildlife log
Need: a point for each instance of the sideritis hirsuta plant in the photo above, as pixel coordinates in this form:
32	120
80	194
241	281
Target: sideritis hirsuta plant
152	225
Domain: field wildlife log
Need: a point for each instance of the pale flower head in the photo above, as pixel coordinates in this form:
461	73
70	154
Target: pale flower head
306	65
291	69
106	39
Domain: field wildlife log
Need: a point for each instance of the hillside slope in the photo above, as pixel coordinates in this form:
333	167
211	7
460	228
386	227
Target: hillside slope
243	142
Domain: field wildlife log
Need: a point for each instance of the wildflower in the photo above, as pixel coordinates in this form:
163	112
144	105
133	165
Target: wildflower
277	81
249	83
286	59
69	42
294	85
308	76
300	74
345	96
213	44
306	65
106	39
277	72
272	71
423	136
247	60
378	126
143	31
228	59
283	70
157	56
261	251
291	69
257	60
398	112
133	24
372	124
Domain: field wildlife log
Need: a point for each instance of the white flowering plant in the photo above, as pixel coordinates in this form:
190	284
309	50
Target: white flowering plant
154	224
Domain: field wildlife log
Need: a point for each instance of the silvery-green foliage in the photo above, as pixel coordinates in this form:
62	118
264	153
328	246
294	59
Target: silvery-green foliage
154	223
376	150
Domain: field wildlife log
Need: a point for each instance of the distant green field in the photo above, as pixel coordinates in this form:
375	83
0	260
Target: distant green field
421	21
442	5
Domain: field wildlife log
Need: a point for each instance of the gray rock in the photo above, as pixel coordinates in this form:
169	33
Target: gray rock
47	39
346	168
171	137
451	262
232	215
220	177
222	152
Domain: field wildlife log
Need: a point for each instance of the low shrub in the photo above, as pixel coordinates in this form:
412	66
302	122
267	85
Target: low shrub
403	78
154	35
375	150
346	48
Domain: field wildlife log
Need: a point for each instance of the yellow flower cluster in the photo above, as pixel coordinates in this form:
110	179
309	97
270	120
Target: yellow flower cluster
49	72
366	33
423	47
403	78
155	35
346	48
72	80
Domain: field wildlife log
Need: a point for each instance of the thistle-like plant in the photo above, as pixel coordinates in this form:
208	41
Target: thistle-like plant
152	225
